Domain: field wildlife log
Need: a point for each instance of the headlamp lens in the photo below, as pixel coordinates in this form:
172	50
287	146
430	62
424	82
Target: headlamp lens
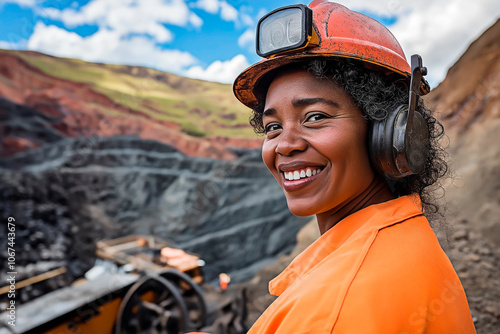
282	30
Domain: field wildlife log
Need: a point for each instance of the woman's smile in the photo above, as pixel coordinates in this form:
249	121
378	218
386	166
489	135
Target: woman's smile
301	174
297	170
299	178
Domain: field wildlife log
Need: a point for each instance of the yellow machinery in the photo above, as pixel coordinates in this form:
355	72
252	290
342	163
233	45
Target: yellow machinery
158	290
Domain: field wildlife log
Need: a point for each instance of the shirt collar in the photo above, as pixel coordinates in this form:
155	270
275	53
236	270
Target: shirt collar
362	222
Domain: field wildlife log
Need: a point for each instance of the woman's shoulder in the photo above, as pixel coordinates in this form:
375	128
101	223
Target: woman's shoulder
407	275
410	245
407	257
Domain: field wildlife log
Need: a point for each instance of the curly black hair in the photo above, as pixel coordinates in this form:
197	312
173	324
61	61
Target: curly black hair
376	94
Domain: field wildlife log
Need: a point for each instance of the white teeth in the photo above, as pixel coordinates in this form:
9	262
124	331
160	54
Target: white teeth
297	175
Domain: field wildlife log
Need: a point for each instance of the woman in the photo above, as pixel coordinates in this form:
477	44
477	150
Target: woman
348	140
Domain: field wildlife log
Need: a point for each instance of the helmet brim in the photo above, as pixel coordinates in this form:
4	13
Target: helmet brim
249	84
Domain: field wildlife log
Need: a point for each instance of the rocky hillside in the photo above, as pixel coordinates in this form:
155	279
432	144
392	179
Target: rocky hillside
197	117
468	101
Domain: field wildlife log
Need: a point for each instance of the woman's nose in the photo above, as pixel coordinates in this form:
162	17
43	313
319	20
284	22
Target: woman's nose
290	142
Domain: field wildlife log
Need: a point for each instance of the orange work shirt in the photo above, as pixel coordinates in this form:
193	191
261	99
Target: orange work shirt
379	270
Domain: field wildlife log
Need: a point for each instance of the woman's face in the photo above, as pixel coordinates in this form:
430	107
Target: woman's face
315	143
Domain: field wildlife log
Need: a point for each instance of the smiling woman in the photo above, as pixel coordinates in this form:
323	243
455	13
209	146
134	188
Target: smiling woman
321	121
348	140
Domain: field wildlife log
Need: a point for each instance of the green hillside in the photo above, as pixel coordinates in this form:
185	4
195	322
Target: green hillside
201	108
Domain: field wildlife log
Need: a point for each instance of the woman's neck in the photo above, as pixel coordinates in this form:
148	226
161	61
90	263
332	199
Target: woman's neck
377	192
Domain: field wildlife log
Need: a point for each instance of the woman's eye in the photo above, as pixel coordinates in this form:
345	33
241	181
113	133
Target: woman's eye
272	127
316	117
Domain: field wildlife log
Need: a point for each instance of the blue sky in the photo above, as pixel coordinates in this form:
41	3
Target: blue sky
214	39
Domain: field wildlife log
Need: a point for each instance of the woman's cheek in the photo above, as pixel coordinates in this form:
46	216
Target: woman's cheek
268	156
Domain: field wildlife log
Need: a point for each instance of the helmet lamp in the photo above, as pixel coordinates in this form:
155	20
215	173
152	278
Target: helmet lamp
285	29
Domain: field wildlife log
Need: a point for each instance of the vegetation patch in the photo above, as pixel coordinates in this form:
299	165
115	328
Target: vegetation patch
192	130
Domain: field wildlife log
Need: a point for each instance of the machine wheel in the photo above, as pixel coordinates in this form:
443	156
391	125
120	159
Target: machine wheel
152	305
192	295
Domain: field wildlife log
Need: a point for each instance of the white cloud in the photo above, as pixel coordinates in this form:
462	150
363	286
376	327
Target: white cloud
195	20
128	33
441	31
128	16
106	46
247	20
247	40
220	71
386	8
210	6
11	45
6	45
227	12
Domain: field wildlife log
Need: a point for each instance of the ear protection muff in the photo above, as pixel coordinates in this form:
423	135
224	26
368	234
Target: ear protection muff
399	144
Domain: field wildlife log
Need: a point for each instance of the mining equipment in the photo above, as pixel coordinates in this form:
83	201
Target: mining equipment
156	288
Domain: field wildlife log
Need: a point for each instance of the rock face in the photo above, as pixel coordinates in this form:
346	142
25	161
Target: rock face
469	103
50	232
232	213
23	128
476	261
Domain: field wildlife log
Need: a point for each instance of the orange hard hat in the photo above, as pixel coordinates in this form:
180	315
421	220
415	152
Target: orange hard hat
335	31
